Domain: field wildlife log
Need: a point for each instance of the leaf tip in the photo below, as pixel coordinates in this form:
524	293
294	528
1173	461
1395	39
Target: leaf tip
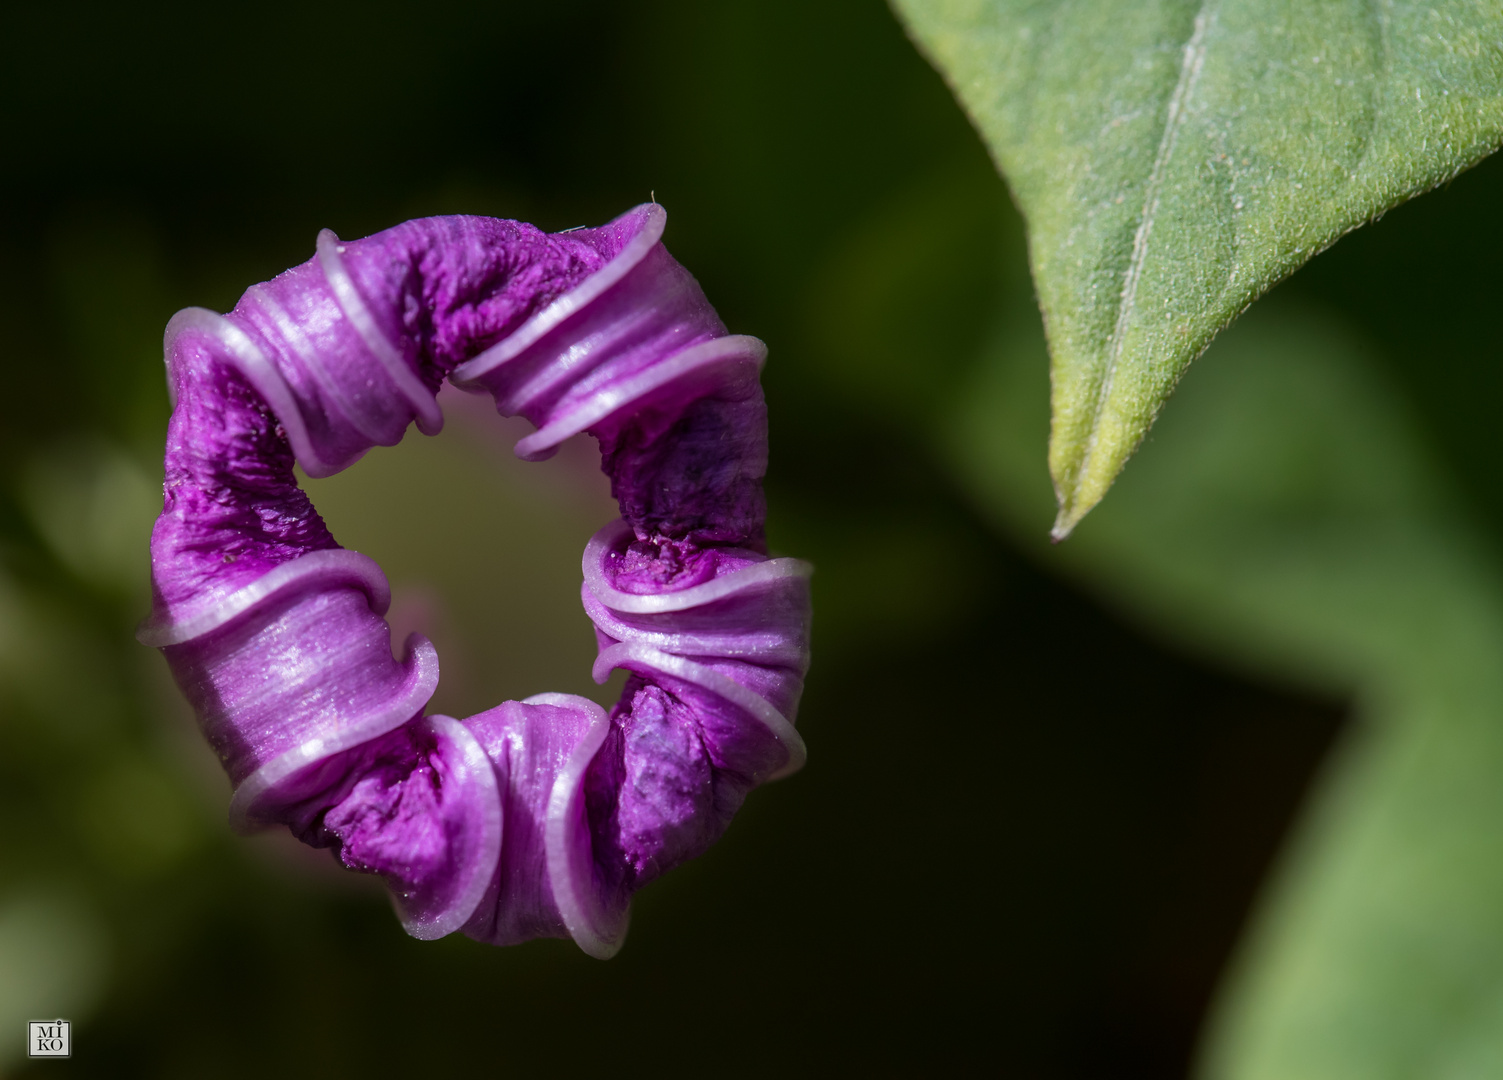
1078	499
1065	522
1083	472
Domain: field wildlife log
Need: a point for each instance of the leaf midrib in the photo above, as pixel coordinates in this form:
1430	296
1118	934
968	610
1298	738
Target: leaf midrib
1191	65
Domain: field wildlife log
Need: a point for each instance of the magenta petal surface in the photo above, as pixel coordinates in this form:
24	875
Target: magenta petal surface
535	818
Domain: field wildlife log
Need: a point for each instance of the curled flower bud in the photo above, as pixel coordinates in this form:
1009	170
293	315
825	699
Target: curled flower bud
538	817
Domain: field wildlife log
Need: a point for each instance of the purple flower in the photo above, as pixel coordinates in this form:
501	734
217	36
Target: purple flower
539	817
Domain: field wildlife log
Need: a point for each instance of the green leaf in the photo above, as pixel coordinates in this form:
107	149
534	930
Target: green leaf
1174	159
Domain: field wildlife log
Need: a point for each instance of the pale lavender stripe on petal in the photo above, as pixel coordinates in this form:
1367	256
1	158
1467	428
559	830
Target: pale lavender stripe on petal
430	418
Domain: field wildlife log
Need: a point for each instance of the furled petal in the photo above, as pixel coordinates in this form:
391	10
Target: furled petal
535	818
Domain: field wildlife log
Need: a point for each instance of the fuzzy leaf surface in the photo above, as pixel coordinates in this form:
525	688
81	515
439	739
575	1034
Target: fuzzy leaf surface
1173	159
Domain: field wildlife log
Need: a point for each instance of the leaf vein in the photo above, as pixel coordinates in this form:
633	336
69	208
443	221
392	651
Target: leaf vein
1191	64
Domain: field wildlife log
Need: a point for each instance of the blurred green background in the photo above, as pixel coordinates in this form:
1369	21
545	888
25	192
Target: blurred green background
1044	787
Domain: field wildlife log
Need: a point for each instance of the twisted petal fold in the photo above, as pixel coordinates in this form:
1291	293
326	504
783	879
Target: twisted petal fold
539	817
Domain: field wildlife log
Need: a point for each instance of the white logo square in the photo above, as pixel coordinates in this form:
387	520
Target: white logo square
49	1038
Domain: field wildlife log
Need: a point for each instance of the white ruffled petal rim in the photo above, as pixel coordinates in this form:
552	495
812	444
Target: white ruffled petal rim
763	573
766	648
483	835
261	373
596	929
707	356
646	660
422	680
293	334
465	376
430	417
336	566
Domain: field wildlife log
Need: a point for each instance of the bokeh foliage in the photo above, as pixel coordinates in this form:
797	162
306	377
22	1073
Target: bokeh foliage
1319	503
